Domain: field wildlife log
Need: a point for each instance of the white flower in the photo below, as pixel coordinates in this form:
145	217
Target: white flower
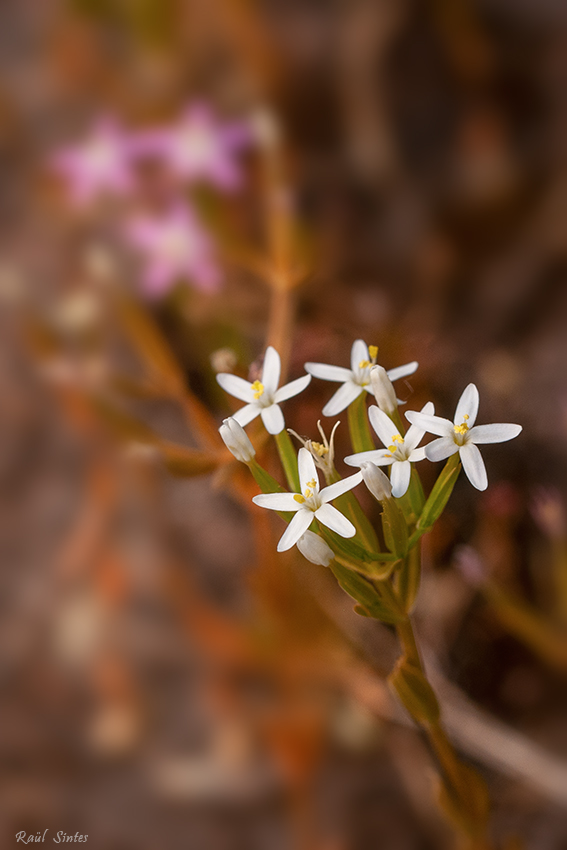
263	396
311	503
401	451
236	440
356	379
383	390
315	549
460	436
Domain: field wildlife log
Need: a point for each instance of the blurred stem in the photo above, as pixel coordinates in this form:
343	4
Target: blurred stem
460	778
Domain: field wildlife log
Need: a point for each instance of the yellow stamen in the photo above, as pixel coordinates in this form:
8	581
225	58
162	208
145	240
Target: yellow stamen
397	439
364	363
319	448
312	483
373	352
392	448
299	498
258	389
462	429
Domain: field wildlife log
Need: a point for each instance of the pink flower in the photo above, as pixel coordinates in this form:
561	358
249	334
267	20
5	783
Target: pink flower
100	164
174	246
198	147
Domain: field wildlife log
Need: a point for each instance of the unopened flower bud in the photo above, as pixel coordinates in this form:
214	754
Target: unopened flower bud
315	549
377	482
383	390
236	440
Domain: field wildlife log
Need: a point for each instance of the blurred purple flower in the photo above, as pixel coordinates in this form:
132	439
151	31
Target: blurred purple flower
199	147
99	164
174	245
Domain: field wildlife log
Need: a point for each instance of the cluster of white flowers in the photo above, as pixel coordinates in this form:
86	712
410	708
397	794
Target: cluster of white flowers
263	398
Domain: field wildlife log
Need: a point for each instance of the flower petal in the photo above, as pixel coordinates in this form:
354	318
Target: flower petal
358	353
467	406
327	372
473	465
246	414
293	388
271	371
344	396
297	527
277	501
377	456
432	424
334	520
400	477
382	424
441	449
339	487
402	371
236	386
418	454
307	470
273	419
499	432
414	433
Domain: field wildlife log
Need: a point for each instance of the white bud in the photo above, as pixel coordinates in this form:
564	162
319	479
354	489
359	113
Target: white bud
236	440
383	390
315	549
377	482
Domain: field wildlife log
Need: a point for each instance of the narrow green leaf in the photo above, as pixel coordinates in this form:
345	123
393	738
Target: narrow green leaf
408	578
395	528
359	427
366	594
415	692
288	458
440	494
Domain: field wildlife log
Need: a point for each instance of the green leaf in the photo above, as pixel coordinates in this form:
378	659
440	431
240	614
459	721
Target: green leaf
395	528
408	578
440	494
414	691
366	594
288	457
359	427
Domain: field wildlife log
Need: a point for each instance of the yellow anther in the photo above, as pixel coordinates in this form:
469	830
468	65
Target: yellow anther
391	449
319	449
312	483
258	389
388	455
308	493
299	498
397	439
461	429
373	352
364	363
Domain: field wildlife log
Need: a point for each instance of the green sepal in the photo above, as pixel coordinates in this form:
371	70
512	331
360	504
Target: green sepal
359	427
288	458
440	494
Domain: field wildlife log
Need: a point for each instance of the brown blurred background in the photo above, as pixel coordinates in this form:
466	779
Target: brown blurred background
168	681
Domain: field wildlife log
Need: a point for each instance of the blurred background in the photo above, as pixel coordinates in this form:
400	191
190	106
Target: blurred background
183	182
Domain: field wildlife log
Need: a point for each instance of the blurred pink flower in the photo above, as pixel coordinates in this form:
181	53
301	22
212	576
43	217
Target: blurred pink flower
99	164
174	246
199	147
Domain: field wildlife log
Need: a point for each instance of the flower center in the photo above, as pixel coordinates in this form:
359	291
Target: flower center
397	443
258	389
308	492
462	429
372	353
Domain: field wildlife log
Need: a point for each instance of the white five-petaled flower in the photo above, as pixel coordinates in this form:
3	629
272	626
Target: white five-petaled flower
401	451
311	503
263	396
356	379
462	436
